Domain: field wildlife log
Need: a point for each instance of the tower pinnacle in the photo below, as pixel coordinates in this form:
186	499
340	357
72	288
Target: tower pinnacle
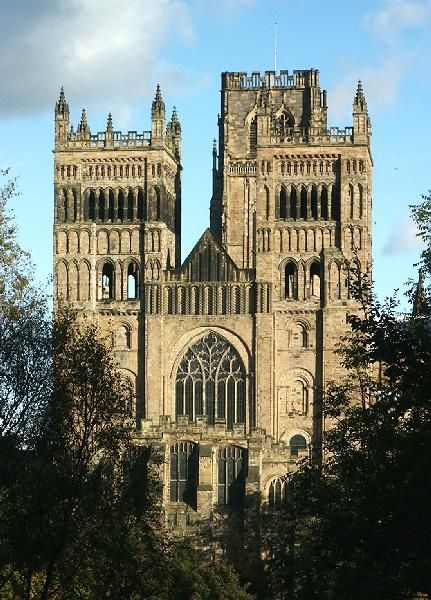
83	130
61	118
158	106
109	126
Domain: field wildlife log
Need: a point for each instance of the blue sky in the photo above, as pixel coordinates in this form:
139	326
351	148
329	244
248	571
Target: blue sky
110	54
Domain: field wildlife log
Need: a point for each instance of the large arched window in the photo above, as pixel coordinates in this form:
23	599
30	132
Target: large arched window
232	467
184	473
210	381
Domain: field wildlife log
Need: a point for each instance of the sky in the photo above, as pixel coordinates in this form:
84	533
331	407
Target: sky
109	55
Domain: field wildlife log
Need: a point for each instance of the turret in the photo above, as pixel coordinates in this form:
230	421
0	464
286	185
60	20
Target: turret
61	119
158	117
83	132
173	132
361	120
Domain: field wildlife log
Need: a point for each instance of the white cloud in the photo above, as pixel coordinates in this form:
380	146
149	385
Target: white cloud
98	49
402	237
380	82
398	15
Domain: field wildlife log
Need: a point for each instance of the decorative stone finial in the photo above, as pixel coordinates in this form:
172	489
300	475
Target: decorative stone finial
109	126
158	106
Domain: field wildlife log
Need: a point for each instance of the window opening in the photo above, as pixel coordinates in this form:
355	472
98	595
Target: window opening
252	135
120	205
132	281
130	205
314	202
107	282
92	206
290	284
324	203
232	466
293	200
315	279
283	204
303	207
101	206
278	493
184	473
297	444
210	381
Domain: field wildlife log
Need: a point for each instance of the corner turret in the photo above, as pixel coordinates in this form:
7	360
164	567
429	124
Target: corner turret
361	120
61	119
158	116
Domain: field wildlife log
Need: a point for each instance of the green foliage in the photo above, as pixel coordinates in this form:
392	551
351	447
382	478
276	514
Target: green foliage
357	527
80	503
192	580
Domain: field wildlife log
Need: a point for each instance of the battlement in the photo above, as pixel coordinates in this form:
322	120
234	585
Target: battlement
163	135
300	79
114	139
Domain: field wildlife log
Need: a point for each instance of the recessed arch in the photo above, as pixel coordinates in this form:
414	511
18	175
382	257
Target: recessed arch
210	380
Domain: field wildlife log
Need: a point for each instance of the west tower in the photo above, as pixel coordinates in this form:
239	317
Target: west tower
117	224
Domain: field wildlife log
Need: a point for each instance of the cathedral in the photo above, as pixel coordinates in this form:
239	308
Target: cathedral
228	352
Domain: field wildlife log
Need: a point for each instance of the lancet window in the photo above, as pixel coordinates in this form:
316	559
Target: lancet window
184	473
232	466
210	381
278	492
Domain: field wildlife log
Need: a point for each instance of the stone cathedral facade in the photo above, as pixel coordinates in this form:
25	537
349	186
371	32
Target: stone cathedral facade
228	352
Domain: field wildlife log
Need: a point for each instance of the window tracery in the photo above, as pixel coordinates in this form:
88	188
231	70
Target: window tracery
210	381
278	493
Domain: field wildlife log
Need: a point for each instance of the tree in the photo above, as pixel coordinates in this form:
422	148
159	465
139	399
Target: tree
25	346
80	501
357	527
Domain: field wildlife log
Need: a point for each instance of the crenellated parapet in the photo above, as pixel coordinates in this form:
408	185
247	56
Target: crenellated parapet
161	136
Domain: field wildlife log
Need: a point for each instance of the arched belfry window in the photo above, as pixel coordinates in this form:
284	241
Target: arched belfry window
210	381
231	474
184	473
290	281
107	281
133	281
283	204
315	279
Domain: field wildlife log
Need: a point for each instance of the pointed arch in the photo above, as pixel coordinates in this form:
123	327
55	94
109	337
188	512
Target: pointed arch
210	381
